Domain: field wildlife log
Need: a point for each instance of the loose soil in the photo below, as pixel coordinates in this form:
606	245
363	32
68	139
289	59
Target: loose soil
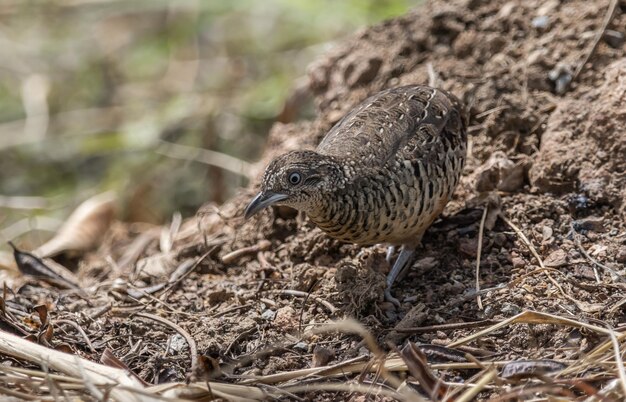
547	155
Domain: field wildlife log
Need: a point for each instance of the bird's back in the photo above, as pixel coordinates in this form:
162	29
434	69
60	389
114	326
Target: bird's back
402	150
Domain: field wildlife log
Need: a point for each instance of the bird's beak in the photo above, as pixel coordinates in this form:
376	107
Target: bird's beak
261	201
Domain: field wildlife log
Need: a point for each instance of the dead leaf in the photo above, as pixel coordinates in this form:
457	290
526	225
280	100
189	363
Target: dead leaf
42	311
442	354
530	368
50	271
64	347
557	258
168	234
109	359
84	229
418	367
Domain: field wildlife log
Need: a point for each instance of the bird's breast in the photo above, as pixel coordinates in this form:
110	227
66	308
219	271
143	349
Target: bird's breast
394	204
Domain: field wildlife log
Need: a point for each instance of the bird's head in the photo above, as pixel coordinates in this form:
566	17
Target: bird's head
298	179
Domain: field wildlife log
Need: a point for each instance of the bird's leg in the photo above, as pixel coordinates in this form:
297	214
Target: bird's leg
403	260
390	251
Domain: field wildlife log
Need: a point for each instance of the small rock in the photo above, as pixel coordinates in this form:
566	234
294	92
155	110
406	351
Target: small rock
518	262
499	239
220	296
510	309
584	272
578	203
546	233
540	22
286	317
345	273
621	255
178	343
615	39
592	223
303	346
426	263
268	315
561	75
557	258
322	356
469	247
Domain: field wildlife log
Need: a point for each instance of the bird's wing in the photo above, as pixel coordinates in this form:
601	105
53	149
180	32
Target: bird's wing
409	120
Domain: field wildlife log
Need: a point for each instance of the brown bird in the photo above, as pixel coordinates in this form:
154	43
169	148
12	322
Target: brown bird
381	175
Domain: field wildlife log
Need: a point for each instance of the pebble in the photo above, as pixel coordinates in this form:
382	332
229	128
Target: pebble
268	315
615	39
518	262
592	223
322	356
510	309
546	233
621	255
301	346
540	22
178	343
557	258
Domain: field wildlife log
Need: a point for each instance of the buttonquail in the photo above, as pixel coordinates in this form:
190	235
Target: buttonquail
381	175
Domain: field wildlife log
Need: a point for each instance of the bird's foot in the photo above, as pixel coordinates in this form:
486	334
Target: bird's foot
391	299
403	260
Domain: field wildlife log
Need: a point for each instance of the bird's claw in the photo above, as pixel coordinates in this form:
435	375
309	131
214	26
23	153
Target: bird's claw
391	299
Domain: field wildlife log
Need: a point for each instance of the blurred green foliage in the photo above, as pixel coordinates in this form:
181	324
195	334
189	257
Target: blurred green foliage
90	89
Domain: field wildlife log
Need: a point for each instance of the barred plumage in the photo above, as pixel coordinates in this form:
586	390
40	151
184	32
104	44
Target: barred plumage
381	175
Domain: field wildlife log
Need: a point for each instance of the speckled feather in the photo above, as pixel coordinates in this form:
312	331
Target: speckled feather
385	171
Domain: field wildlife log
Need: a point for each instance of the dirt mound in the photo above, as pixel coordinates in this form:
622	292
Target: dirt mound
584	146
553	137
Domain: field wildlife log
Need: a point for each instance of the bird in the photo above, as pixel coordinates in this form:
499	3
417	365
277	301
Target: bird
381	175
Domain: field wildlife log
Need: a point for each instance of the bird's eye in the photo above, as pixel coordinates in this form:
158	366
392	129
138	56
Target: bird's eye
295	178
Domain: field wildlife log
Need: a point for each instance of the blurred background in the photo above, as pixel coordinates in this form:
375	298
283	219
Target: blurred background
136	96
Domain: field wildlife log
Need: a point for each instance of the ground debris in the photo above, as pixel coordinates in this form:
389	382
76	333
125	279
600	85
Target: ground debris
257	305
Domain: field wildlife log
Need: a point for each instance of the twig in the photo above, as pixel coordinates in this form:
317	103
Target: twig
239	337
193	349
80	330
235	255
593	260
308	294
433	77
89	385
610	13
171	285
472	392
618	360
481	229
230	310
492	110
298	293
530	317
446	327
353	387
533	251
